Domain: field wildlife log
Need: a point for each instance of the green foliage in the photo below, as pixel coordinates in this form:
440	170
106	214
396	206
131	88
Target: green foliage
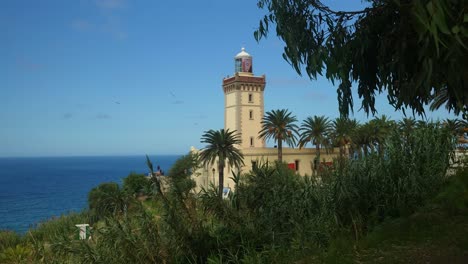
64	224
272	208
136	184
221	146
280	126
287	200
434	233
16	255
272	216
182	228
414	49
368	190
137	240
317	131
127	240
454	197
343	130
108	199
8	239
180	175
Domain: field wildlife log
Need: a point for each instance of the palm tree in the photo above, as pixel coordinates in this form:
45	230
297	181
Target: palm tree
364	138
317	131
457	128
406	127
381	127
454	126
279	125
222	146
342	131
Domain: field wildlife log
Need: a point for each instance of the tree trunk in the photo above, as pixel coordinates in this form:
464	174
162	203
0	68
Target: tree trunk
317	158
221	181
381	149
341	158
341	151
280	151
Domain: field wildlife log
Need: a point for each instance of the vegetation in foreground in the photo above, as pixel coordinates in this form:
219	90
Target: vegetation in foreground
394	207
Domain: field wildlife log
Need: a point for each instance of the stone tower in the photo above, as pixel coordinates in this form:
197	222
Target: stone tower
243	101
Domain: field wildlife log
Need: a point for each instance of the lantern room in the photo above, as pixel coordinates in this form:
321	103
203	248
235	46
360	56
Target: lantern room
243	62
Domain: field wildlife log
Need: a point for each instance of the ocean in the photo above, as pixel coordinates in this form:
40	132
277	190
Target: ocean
35	189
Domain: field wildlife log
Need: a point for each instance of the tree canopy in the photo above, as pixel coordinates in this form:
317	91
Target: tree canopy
415	50
280	126
221	145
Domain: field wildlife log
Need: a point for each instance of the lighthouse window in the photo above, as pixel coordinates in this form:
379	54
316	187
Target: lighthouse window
251	114
250	98
238	65
296	165
251	141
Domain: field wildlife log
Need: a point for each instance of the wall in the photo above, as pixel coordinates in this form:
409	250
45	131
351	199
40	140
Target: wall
305	156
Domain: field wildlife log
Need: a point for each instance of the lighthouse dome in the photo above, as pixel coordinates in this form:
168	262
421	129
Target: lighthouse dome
242	54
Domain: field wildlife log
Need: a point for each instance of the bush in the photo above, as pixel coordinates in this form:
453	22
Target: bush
136	184
454	197
16	254
62	225
108	200
363	192
8	239
272	216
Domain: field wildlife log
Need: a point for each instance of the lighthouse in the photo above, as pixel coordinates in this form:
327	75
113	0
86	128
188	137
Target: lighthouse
243	101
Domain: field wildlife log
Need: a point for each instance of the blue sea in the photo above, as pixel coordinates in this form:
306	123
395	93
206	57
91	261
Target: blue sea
35	189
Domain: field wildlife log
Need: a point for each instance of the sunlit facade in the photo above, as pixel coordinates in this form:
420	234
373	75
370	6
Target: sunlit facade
243	111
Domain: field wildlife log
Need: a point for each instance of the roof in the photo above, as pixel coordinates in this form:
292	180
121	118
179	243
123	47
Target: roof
242	54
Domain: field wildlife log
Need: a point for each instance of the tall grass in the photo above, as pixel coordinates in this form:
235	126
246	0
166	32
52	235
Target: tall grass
8	239
275	208
365	191
272	216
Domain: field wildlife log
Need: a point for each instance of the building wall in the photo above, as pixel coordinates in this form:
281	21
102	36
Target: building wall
305	158
231	112
251	113
244	107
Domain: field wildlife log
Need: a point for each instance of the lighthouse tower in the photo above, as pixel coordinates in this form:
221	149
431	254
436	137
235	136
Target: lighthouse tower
243	101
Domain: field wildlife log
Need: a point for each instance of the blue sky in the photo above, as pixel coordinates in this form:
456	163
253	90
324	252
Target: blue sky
117	77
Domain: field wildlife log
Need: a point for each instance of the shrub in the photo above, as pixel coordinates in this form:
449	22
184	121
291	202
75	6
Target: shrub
8	239
64	224
108	200
136	184
16	254
365	191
